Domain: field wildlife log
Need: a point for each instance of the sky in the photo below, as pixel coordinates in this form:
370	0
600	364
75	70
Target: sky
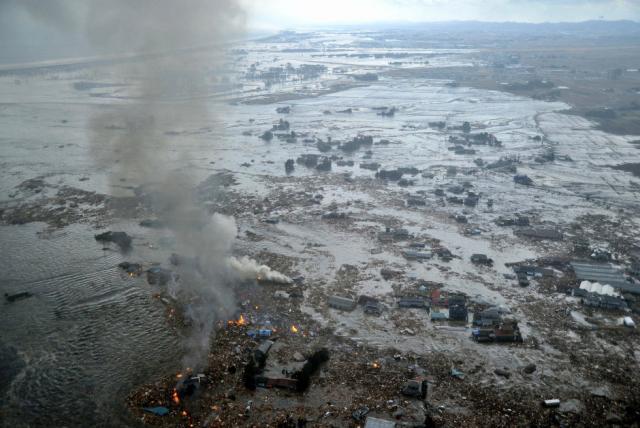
274	14
32	30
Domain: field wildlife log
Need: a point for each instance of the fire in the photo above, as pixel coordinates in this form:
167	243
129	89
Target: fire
179	375
184	413
174	396
239	322
375	365
294	329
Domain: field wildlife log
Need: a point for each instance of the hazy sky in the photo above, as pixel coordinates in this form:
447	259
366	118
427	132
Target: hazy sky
33	30
292	13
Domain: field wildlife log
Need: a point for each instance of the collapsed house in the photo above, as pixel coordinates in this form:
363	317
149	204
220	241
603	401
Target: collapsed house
416	255
486	318
413	302
458	308
503	331
157	275
415	201
534	271
481	259
540	233
518	220
416	388
390	235
341	303
601	301
523	179
373	308
391	175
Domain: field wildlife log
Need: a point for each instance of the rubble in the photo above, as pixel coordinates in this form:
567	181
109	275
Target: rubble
373	166
503	373
159	276
342	303
391	175
119	238
540	233
132	269
413	302
267	136
416	255
289	166
504	331
356	143
10	298
481	259
522	179
416	388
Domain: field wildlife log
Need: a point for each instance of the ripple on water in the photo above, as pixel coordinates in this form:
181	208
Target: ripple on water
86	337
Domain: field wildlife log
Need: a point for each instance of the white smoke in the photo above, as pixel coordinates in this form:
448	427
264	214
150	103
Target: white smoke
250	269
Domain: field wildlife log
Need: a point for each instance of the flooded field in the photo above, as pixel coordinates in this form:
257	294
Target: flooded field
79	349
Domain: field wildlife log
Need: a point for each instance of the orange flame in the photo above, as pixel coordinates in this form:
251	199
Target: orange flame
294	329
239	322
174	396
375	365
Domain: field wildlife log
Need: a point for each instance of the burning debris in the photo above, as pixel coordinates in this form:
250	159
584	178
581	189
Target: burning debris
241	321
131	269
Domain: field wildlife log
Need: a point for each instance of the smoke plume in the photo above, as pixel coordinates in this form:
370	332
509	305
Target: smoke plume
250	269
175	49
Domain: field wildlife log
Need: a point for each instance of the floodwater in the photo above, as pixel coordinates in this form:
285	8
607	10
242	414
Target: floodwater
72	353
86	337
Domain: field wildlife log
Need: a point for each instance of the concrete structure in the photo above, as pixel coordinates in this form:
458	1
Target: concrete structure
604	274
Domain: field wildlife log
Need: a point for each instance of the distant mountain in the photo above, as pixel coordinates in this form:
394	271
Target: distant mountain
595	28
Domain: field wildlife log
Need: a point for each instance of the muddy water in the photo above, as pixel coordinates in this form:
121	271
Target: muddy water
86	336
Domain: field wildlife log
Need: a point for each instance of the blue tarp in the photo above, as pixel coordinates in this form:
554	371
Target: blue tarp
158	411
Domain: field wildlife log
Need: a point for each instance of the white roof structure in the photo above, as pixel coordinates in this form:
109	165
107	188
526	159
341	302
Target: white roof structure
596	287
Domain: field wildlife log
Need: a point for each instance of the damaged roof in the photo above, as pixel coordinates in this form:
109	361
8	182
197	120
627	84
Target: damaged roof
605	274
